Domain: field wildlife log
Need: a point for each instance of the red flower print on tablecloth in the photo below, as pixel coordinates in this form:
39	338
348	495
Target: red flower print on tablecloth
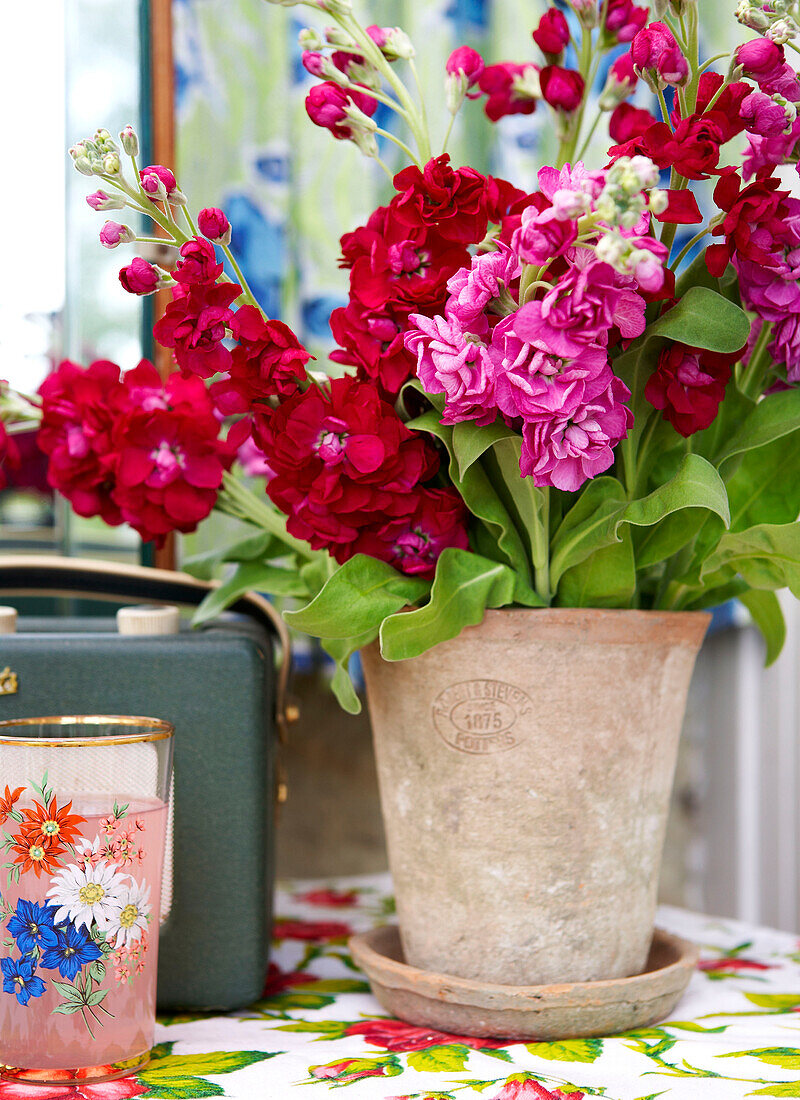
329	899
310	930
403	1038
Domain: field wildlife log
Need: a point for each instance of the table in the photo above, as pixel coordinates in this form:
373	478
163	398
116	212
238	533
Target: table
736	1032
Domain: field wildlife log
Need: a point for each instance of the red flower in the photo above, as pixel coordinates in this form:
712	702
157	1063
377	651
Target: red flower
412	544
688	385
624	20
170	461
353	1069
508	89
403	1038
682	208
693	149
278	980
329	899
268	361
78	408
198	263
310	930
732	964
195	324
7	802
562	88
139	277
373	343
726	108
451	200
464	60
343	460
50	826
552	34
212	223
327	105
628	122
754	225
9	455
520	1087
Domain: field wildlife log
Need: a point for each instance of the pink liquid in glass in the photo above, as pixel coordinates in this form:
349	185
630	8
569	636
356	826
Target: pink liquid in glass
118	858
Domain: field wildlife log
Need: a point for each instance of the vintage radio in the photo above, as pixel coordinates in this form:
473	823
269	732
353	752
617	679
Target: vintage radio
219	686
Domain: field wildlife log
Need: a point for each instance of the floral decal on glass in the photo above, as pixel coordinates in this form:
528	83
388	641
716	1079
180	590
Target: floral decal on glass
75	915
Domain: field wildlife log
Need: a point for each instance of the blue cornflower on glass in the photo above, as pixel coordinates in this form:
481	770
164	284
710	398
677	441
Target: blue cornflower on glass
66	948
29	923
20	980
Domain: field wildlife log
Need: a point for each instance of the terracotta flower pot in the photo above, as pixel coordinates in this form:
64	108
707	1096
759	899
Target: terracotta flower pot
525	770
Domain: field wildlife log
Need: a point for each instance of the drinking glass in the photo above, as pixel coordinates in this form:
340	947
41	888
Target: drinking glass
83	819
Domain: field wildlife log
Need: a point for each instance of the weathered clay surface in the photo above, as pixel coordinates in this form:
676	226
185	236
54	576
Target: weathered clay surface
525	769
461	1007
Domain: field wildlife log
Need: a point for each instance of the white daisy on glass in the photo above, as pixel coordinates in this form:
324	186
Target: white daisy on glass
130	922
86	894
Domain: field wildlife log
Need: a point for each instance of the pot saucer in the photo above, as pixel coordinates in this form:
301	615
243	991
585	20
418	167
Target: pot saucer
572	1010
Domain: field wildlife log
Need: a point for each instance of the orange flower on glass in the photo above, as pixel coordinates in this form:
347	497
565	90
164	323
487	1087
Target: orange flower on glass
34	856
50	826
7	802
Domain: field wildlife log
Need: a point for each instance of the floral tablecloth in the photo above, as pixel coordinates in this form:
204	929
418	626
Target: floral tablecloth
736	1032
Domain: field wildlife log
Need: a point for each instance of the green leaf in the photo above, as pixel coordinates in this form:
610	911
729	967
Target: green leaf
568	1050
607	578
444	1059
96	996
356	599
68	1008
327	1029
767	614
703	318
785	1057
780	1088
97	970
470	441
202	1065
341	650
690	1025
765	486
253	547
249	577
776	416
178	1088
67	990
594	520
464	586
781	1002
659	542
765	556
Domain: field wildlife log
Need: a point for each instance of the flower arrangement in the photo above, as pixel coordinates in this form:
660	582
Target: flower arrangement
545	400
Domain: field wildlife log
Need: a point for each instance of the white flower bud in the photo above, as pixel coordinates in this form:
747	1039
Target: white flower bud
310	39
111	165
612	249
84	165
130	141
334	7
455	88
782	31
528	83
658	202
177	198
398	45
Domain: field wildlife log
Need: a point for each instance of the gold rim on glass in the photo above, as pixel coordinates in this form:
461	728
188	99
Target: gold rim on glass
157	729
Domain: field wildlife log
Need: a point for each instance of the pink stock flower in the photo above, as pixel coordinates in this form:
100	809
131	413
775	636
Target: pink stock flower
472	288
454	361
759	58
139	277
543	236
623	72
213	224
566	450
99	200
562	88
529	381
327	104
624	20
467	61
552	34
153	176
763	116
582	308
252	459
509	89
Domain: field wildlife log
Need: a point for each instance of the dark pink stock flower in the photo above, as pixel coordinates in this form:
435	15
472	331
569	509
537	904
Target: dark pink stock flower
268	361
623	72
412	544
543	235
472	288
562	88
567	450
467	61
213	224
655	50
759	57
763	116
198	263
195	325
155	174
552	34
327	104
624	20
139	277
113	234
455	361
769	152
511	89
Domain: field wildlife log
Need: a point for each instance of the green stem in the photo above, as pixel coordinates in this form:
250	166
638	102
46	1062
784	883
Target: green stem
693	51
190	221
237	500
589	135
250	297
751	381
401	144
385	167
688	246
450	125
540	539
568	144
423	114
711	60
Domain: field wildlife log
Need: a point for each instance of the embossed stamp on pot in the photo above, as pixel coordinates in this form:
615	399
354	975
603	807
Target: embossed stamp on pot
481	716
